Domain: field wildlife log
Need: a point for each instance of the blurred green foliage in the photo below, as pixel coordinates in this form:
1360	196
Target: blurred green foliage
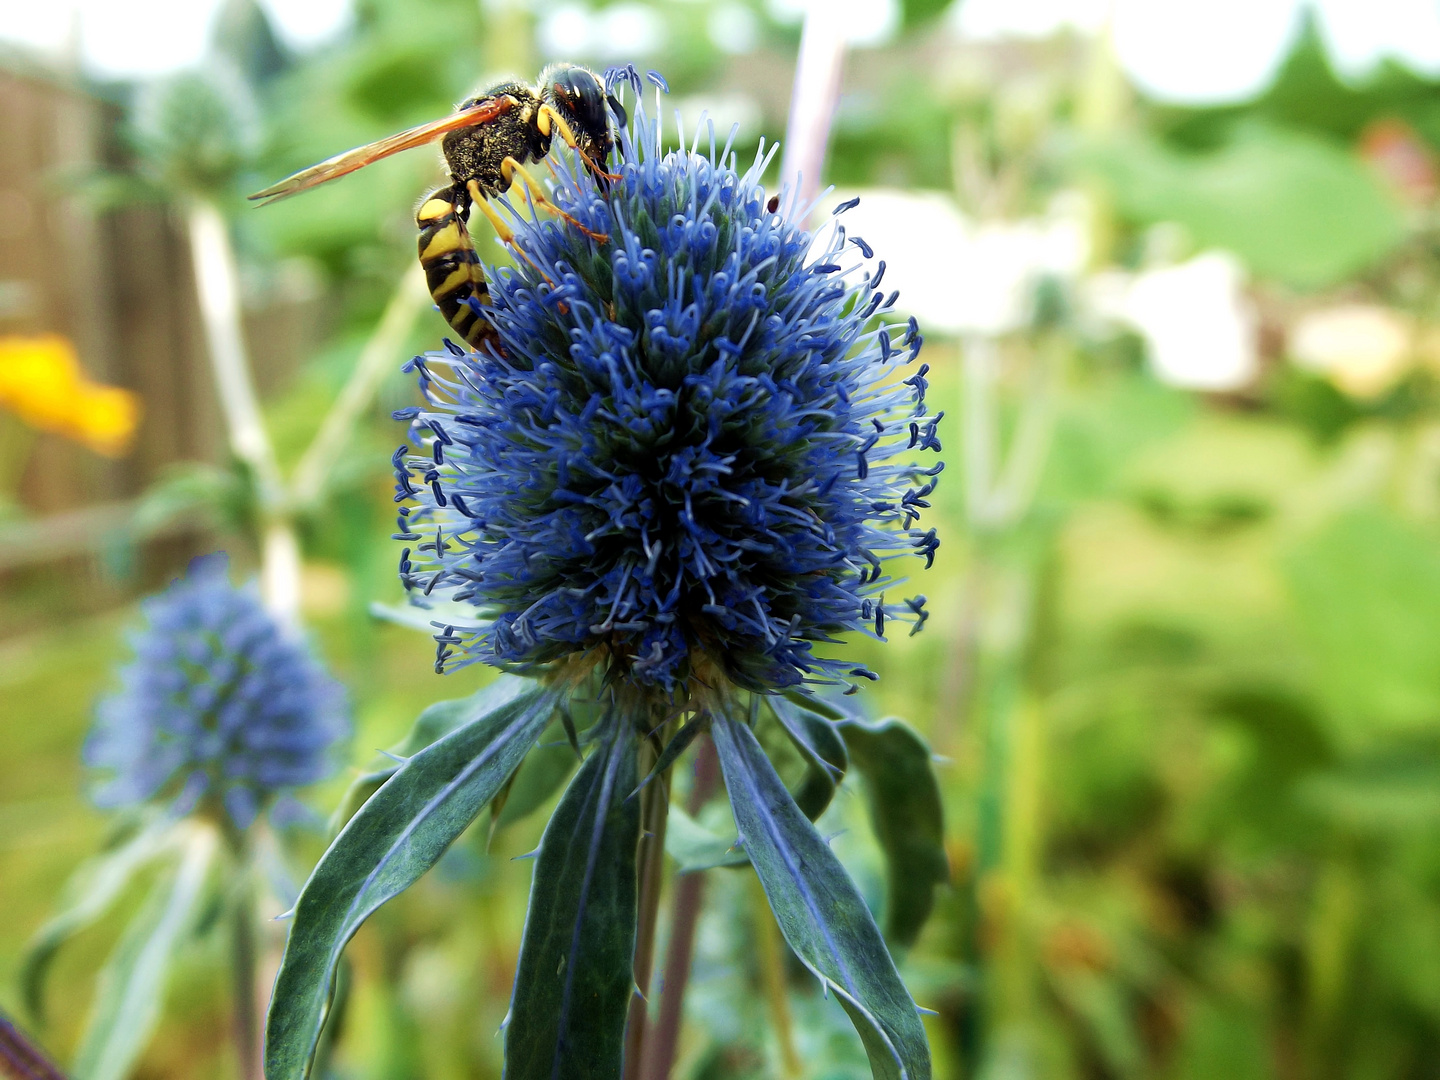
1295	207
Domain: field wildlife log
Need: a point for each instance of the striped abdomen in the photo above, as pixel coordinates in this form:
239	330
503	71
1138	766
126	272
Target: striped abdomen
452	269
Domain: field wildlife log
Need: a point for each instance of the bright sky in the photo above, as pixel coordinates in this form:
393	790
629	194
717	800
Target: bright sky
1218	50
1222	50
152	37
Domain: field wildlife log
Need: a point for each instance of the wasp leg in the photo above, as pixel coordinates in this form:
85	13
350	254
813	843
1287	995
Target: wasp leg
452	269
506	234
502	229
548	120
512	170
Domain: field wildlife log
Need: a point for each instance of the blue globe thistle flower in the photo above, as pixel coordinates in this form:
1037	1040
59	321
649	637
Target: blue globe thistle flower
220	702
694	449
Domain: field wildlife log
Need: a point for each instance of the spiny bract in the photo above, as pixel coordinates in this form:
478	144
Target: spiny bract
689	452
219	701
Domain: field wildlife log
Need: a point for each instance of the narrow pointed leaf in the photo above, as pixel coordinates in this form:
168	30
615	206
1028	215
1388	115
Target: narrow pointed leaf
823	750
567	720
91	891
820	912
432	725
397	835
908	818
678	744
572	988
131	987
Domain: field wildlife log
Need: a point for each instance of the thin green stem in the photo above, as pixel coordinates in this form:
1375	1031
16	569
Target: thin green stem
664	1038
244	965
654	811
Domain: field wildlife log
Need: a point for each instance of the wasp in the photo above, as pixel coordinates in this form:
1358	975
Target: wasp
487	142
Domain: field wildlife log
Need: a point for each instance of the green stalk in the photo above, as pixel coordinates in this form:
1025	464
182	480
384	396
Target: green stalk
654	812
217	286
245	1023
246	1015
664	1040
1329	943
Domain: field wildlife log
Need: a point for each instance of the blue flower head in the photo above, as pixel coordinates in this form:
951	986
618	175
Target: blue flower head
694	449
219	702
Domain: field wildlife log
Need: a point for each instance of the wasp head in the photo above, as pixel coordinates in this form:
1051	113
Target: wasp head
578	95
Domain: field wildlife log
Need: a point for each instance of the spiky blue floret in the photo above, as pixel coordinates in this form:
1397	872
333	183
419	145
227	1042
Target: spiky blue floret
688	445
219	701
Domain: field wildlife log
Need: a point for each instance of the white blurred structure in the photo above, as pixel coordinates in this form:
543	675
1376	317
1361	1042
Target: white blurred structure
1362	348
1221	50
1200	328
143	38
969	279
959	276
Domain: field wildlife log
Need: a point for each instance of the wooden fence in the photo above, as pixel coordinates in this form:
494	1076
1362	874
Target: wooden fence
117	281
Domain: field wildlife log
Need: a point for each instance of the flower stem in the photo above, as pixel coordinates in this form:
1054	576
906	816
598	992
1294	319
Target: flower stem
812	104
217	283
661	1045
246	1019
22	1058
654	811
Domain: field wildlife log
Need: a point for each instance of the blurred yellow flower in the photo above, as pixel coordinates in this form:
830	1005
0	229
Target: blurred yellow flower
41	382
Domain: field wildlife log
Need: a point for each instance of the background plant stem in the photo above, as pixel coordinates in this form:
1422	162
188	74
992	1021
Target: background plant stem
218	285
664	1038
654	812
20	1058
248	1046
813	100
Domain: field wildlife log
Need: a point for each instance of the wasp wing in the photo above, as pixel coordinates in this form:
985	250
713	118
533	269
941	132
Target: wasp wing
481	113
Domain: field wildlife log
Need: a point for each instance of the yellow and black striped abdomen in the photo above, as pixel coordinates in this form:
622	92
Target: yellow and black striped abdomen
452	269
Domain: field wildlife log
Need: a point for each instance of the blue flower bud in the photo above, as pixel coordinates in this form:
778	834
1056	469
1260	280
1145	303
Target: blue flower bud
218	703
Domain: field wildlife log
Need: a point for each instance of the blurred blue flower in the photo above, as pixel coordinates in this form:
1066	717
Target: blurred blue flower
219	702
693	449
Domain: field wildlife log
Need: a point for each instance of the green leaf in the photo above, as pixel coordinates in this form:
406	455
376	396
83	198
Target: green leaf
906	812
430	727
572	987
400	832
132	983
915	13
1365	589
1293	206
91	891
823	750
694	847
819	910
